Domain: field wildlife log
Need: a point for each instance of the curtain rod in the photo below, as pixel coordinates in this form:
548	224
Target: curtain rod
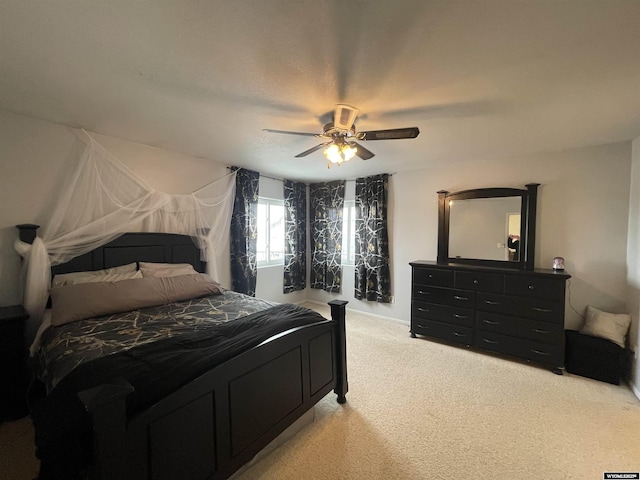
306	183
261	174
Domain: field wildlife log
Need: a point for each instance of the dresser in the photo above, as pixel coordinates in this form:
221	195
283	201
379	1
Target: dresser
13	369
518	313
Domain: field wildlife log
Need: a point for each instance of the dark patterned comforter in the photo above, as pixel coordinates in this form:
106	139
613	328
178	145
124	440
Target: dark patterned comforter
66	347
156	350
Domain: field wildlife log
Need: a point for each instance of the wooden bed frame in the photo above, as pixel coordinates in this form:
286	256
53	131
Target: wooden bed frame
215	424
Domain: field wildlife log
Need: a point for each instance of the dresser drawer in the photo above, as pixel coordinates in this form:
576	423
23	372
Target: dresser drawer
444	296
532	308
480	281
544	332
536	287
432	276
530	350
443	313
445	331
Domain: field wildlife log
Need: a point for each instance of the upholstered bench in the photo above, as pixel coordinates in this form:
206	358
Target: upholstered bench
596	358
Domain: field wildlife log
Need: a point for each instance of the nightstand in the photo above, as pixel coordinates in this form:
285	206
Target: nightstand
13	363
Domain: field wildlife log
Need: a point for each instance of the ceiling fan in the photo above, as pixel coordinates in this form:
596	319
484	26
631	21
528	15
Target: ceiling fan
341	135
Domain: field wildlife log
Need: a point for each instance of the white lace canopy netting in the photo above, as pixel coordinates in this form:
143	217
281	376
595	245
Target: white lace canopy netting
103	200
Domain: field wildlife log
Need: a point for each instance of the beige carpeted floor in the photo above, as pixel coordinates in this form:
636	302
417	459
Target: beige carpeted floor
423	410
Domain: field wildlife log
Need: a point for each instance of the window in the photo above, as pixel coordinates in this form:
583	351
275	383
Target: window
349	233
270	248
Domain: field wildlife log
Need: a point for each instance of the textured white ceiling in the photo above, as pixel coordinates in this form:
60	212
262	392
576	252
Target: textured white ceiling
481	79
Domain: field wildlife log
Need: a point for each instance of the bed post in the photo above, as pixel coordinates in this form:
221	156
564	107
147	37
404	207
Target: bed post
338	315
107	407
27	232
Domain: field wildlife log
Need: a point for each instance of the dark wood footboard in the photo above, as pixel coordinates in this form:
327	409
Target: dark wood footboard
218	422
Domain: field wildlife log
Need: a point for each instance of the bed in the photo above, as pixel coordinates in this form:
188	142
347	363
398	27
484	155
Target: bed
227	389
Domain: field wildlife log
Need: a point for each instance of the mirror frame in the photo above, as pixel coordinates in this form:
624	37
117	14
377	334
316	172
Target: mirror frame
528	205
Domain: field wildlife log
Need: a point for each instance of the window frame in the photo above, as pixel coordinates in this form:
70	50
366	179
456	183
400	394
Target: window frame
268	202
348	253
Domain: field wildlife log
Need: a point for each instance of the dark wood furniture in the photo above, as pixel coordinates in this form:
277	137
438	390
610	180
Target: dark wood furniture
519	313
597	358
13	367
213	425
528	205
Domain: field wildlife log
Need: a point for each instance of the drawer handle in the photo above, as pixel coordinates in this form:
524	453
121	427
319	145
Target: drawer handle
490	322
455	315
422	292
420	309
457	297
475	282
543	310
430	276
540	352
531	287
458	334
491	302
493	342
537	330
426	327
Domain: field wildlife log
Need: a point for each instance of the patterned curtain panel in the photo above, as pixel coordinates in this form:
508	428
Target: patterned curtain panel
295	240
244	233
373	278
327	202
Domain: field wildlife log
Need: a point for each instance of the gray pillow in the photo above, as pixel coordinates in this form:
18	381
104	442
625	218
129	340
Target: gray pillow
113	274
172	271
87	300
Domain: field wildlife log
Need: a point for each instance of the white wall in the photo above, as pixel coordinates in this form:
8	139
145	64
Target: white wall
633	262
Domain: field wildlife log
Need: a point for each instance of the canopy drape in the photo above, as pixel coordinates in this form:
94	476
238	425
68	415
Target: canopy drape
103	200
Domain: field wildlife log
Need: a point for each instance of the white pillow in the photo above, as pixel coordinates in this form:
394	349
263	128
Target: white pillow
114	274
610	326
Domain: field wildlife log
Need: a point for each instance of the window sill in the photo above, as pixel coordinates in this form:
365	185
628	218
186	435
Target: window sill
272	265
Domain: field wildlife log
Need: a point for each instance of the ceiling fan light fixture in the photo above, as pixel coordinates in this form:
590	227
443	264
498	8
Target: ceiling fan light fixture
337	154
349	152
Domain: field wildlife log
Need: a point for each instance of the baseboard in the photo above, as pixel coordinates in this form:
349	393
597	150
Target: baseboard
355	310
635	389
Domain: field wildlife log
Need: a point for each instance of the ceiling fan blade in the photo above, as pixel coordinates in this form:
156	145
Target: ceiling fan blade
362	152
291	133
392	134
311	150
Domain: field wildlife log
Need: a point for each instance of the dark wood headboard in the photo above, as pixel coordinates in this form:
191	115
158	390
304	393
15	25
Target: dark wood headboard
131	247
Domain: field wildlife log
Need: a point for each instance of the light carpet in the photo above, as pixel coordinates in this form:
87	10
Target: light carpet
419	409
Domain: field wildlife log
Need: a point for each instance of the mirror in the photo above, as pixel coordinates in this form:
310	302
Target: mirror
488	226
